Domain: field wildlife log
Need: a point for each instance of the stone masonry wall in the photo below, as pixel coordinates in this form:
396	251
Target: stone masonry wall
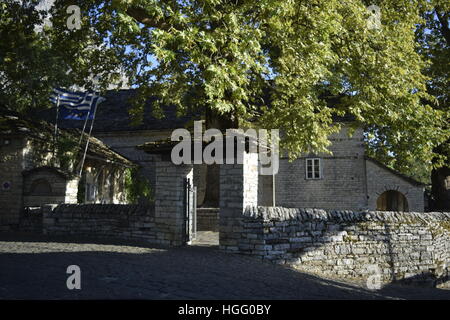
200	171
343	183
163	224
170	197
208	219
62	190
349	181
11	180
125	222
403	246
380	180
238	189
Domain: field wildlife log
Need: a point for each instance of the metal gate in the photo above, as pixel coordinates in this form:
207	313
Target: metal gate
190	210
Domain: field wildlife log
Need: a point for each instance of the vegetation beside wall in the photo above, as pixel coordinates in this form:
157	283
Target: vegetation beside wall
137	187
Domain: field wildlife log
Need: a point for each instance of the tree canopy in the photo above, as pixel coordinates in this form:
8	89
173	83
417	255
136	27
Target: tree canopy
434	39
271	63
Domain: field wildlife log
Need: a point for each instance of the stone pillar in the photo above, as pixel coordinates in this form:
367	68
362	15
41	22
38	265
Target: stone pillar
169	201
238	189
49	220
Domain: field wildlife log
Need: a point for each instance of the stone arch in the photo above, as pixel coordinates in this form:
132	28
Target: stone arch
44	185
392	200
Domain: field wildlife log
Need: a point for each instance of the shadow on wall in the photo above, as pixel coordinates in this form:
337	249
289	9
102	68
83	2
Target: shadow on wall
398	247
427	279
433	278
30	220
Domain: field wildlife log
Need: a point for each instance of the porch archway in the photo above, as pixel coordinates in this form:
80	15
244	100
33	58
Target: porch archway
392	200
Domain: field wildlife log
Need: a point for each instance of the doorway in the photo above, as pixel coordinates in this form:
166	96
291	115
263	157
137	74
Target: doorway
392	200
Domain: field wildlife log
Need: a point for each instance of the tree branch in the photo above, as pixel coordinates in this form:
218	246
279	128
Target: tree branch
443	20
143	17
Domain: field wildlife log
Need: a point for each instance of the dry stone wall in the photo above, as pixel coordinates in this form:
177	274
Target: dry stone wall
401	246
162	223
126	222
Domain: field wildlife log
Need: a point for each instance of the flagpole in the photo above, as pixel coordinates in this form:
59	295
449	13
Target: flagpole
84	126
56	126
89	135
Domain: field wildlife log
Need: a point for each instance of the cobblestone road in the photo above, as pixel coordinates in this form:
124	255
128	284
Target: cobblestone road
35	268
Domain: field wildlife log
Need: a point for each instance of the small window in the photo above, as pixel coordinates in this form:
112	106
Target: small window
313	168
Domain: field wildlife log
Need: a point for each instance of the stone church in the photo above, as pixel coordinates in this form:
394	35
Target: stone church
347	179
33	173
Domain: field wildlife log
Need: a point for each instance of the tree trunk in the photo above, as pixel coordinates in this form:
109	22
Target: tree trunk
212	191
440	190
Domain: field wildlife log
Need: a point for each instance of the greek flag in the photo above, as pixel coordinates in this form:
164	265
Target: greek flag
75	105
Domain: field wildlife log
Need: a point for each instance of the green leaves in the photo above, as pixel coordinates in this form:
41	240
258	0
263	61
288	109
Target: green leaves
291	65
137	187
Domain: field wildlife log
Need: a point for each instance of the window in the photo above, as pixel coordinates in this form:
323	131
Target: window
91	188
313	168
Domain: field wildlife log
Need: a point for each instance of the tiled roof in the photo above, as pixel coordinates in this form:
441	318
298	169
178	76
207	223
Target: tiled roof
12	123
112	115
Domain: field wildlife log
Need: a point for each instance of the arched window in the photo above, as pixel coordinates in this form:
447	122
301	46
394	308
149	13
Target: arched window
40	187
392	200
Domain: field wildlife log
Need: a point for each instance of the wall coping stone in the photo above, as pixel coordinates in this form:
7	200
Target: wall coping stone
104	209
308	214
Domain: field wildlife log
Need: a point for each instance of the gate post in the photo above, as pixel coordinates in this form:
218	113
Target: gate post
238	189
170	200
190	211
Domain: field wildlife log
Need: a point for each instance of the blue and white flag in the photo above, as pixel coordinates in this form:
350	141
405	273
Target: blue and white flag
75	105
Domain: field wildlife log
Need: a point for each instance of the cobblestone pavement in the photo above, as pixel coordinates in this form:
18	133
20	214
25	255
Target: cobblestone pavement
34	267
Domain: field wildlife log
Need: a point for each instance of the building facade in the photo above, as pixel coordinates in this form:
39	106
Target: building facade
33	172
346	179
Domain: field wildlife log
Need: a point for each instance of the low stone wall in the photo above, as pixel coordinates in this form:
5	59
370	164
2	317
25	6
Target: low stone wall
31	220
127	222
208	219
394	246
